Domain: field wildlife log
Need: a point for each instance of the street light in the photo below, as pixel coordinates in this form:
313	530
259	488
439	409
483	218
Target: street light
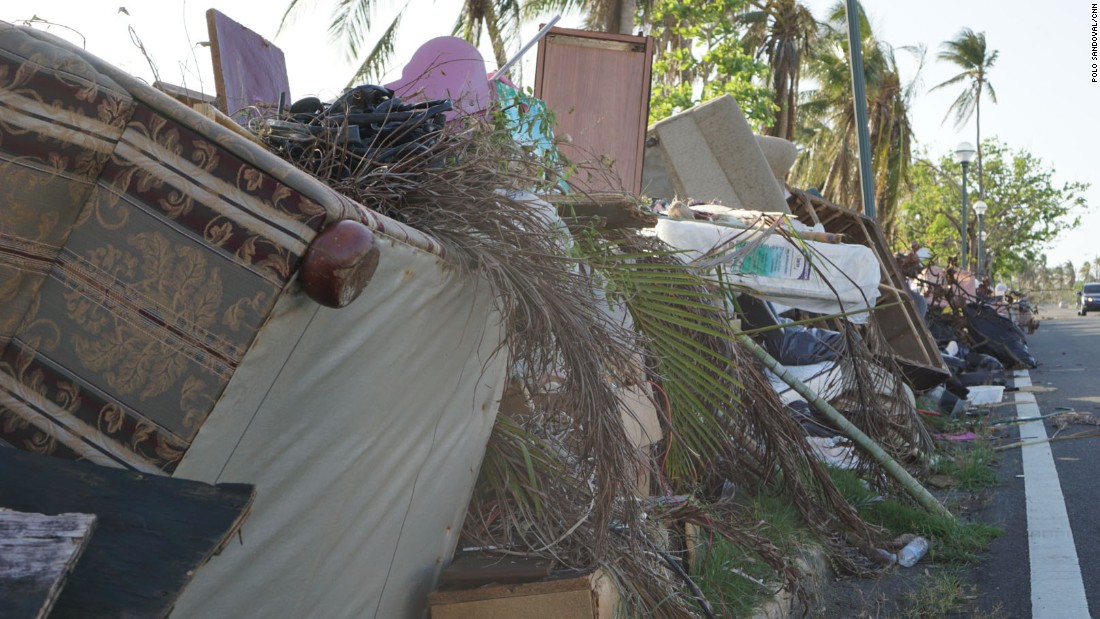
979	209
965	152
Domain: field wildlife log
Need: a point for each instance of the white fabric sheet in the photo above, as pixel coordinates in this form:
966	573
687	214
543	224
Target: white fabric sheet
363	430
831	278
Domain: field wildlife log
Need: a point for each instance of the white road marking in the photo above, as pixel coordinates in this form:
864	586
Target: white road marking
1057	589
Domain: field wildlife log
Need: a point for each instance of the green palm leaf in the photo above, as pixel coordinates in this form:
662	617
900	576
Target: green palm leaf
373	66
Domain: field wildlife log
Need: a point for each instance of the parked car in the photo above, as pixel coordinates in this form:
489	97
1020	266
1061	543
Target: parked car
1088	299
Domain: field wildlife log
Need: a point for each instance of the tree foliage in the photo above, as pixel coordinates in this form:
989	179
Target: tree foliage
968	52
1027	210
782	31
700	55
828	129
1046	284
353	26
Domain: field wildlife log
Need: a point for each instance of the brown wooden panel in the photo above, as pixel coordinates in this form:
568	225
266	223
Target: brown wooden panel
895	316
597	86
249	70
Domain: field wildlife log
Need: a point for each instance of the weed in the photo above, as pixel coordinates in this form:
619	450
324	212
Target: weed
972	466
942	594
735	581
938	596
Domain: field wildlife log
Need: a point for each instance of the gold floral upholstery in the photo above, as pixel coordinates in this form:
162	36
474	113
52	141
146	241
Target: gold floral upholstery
141	250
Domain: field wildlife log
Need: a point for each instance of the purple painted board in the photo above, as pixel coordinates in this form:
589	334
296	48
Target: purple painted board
446	68
248	69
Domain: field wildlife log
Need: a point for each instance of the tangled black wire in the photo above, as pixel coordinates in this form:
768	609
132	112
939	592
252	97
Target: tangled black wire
366	128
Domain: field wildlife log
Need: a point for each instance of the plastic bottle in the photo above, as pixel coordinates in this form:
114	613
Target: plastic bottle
913	551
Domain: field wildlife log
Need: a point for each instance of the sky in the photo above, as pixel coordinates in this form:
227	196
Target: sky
1048	103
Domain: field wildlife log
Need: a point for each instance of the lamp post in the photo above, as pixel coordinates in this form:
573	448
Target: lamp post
965	152
979	210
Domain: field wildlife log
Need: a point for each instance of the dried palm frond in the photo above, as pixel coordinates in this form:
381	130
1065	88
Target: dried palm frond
725	418
554	483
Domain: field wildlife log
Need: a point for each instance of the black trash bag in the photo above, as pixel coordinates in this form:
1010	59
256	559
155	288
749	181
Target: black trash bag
983	370
974	378
971	368
953	363
813	423
998	336
942	331
795	345
803	346
977	361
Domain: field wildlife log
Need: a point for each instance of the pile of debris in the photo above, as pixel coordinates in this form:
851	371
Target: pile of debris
610	373
981	332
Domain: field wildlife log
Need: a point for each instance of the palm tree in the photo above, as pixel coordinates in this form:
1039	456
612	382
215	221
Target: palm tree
352	22
1069	276
828	123
969	52
604	15
781	30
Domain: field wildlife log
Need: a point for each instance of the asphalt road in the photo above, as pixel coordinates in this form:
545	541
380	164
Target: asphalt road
1067	348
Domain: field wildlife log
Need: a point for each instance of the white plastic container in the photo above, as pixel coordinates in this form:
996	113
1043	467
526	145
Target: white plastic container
983	395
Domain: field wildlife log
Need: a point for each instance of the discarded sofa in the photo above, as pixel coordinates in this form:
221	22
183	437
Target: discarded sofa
178	301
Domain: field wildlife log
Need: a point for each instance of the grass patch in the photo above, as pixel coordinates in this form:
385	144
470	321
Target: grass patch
940	595
952	541
781	522
972	466
735	581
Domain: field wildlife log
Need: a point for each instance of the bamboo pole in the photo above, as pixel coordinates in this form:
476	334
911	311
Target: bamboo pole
911	485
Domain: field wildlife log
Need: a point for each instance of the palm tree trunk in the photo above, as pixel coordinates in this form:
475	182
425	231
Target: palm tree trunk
978	124
792	104
626	15
620	16
913	487
779	127
492	24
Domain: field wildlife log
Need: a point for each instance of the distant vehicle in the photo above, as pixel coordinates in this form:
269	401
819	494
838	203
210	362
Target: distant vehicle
1088	299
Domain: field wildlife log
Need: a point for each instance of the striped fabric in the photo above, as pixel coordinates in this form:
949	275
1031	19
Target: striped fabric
138	261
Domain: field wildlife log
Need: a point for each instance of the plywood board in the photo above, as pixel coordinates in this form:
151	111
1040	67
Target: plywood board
597	86
152	532
249	70
896	316
37	552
